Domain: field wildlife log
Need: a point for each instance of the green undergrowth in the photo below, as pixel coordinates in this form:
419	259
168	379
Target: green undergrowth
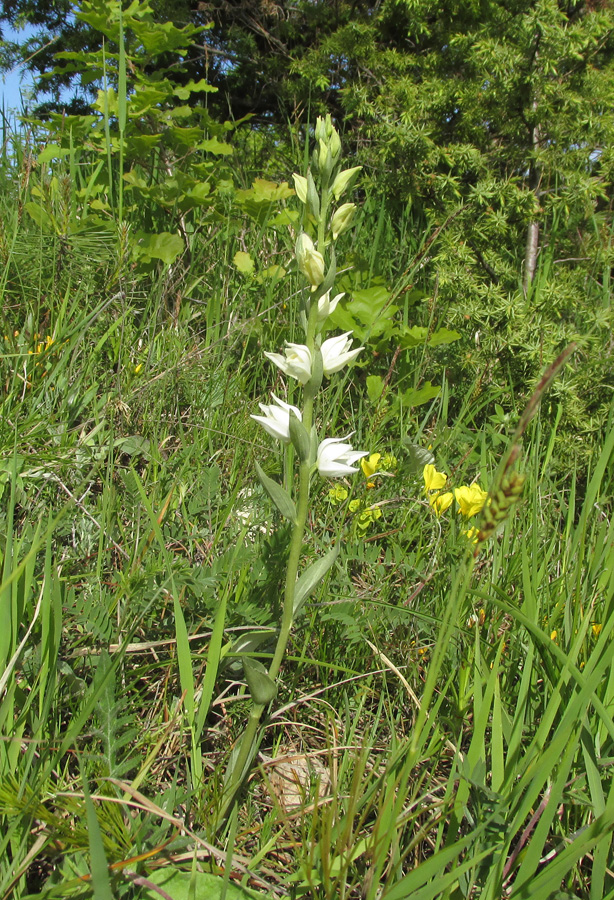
452	716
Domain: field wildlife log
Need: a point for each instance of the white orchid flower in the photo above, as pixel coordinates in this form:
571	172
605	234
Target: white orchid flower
296	363
336	458
326	306
276	419
336	353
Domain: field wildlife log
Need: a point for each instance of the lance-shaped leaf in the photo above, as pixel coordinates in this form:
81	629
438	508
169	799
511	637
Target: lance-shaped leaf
280	497
312	576
261	686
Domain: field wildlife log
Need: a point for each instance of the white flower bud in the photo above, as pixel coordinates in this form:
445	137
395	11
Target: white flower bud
310	262
342	220
342	181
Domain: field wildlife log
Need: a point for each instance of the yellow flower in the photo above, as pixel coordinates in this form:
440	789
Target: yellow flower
553	635
138	368
433	480
597	629
472	534
441	502
369	466
470	499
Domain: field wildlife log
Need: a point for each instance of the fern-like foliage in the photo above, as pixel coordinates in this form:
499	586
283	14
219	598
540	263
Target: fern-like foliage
115	728
88	615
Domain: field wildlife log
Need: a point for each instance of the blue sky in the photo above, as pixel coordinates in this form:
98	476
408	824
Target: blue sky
12	82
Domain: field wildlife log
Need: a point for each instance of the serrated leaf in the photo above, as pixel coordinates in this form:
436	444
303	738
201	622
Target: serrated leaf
219	148
412	337
280	497
312	576
202	86
261	686
243	262
443	336
375	387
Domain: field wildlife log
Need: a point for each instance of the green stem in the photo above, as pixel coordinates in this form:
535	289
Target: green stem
294	556
249	739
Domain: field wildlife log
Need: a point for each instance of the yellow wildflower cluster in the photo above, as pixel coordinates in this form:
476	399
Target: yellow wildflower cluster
470	498
364	514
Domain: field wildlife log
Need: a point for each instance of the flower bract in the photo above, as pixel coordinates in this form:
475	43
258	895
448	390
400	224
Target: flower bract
296	363
276	419
336	458
336	353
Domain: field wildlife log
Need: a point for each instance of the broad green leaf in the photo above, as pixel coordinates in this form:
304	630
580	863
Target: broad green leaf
243	262
418	396
164	246
133	445
219	148
52	151
280	497
274	271
186	136
312	576
262	189
182	885
284	218
370	306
